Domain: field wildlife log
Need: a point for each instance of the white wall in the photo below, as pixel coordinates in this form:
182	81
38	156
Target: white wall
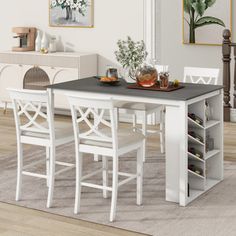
178	55
114	19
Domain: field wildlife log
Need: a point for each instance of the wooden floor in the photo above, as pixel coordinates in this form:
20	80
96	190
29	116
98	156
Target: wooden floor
17	221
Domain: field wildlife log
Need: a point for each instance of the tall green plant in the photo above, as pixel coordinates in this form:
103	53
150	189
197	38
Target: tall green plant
196	10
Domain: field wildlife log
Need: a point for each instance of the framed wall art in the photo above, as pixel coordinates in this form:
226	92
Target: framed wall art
71	13
205	20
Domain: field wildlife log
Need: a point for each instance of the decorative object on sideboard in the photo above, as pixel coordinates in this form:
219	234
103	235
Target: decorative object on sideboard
76	13
44	42
38	41
26	36
130	55
53	44
204	20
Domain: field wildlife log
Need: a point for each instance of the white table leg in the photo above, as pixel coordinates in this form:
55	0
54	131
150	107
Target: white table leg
176	154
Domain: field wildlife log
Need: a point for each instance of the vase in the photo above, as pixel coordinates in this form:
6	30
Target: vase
44	42
38	42
75	16
68	13
129	74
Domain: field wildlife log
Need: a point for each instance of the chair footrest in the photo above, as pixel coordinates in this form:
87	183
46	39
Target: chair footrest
34	174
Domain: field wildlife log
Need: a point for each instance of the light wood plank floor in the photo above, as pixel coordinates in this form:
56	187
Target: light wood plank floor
19	221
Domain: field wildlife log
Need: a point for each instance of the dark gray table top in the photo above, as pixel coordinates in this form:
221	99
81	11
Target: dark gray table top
92	85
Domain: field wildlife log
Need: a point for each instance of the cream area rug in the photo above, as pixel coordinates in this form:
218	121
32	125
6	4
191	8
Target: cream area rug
212	214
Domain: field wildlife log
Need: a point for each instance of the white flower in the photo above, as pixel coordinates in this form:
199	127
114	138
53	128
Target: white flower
60	1
54	3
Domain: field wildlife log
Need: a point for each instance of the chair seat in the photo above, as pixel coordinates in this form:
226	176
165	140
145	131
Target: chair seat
137	106
63	130
126	137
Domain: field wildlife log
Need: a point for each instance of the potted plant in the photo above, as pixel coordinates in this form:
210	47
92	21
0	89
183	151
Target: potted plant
131	55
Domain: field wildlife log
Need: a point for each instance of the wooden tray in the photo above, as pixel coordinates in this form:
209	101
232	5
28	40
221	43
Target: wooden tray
154	88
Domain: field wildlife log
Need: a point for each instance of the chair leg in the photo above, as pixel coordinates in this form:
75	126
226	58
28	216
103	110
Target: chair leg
47	164
19	170
51	177
134	121
114	188
105	175
79	165
140	176
144	132
5	108
96	158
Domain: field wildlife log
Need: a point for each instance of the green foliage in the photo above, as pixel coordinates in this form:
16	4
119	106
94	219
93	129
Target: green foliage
196	10
131	54
208	20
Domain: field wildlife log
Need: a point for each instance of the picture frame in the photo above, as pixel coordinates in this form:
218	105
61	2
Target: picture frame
71	13
205	26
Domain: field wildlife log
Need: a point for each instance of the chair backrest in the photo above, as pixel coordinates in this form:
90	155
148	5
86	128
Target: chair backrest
162	68
29	111
98	129
201	75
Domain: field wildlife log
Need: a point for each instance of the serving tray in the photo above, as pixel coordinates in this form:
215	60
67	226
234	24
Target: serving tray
154	88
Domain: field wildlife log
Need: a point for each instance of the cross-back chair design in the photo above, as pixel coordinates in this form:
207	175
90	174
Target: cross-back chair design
153	111
100	137
35	126
198	75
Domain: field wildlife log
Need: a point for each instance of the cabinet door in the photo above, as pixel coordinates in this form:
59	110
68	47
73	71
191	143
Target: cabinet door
10	77
61	75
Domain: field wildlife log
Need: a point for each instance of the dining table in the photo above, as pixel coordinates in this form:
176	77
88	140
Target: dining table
182	184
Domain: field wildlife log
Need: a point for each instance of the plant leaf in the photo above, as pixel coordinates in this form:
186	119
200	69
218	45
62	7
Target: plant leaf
199	7
209	3
208	20
188	5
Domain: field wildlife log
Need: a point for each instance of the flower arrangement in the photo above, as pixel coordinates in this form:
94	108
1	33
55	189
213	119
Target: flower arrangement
131	54
77	5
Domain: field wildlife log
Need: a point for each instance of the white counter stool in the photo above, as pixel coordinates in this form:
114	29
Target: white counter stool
199	75
156	112
101	138
29	112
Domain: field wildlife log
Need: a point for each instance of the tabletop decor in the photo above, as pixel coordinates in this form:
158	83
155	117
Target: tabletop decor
204	20
71	13
130	55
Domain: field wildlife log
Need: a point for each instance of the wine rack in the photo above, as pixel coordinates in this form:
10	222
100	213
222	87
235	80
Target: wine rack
204	166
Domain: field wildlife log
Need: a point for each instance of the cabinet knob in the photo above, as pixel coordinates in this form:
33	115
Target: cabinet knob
20	65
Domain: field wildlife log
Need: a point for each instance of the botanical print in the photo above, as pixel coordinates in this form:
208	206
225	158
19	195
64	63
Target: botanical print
77	13
205	20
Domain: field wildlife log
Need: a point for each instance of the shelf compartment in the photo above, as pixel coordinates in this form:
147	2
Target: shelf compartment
194	193
193	140
211	183
194	158
195	174
212	123
193	123
212	153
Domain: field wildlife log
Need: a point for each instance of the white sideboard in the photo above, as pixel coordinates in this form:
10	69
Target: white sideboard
60	67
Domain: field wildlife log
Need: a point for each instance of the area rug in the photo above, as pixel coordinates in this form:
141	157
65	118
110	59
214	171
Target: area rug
214	213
